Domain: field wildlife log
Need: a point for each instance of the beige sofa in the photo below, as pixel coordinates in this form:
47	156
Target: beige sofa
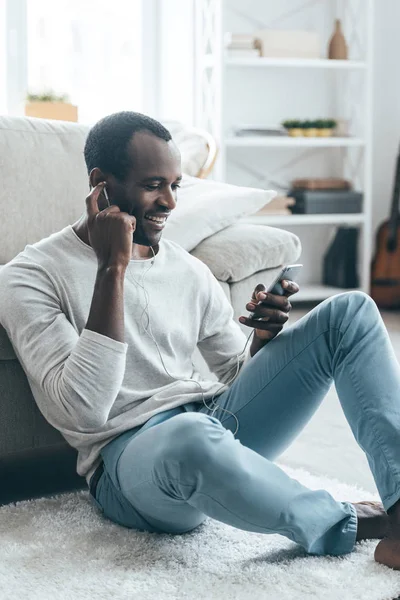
43	186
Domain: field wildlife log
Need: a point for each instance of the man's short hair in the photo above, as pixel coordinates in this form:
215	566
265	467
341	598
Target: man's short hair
107	142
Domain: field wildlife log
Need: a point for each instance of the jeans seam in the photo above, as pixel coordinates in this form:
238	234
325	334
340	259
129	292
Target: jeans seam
388	499
376	434
372	425
279	372
217	502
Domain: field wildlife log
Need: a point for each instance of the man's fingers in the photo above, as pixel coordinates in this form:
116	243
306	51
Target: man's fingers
272	315
92	205
259	288
264	325
290	287
269	299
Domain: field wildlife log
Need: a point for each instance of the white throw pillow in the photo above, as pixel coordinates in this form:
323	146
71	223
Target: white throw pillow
205	207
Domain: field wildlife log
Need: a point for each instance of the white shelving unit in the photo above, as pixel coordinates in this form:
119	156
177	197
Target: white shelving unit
303	63
348	95
286	141
281	220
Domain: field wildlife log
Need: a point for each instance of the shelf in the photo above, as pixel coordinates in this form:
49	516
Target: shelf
292	142
316	291
298	63
288	220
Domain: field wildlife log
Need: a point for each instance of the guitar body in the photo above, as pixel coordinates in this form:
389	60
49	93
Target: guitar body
385	273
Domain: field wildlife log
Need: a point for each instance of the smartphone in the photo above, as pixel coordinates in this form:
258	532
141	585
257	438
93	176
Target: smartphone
289	272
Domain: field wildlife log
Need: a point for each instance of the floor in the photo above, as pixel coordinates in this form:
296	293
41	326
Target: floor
327	446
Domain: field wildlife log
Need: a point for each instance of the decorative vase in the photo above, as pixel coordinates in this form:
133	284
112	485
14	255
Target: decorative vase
337	45
324	132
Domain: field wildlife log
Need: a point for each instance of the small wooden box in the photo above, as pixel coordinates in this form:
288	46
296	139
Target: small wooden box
275	43
60	111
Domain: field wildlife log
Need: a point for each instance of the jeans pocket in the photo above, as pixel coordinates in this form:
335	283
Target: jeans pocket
95	502
116	507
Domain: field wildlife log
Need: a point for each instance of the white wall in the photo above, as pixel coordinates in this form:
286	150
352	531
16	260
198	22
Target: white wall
3	54
386	104
176	61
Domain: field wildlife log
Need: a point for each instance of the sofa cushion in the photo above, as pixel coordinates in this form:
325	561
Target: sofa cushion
243	249
205	207
43	180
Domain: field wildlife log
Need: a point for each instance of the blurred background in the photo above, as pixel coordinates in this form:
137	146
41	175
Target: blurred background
300	96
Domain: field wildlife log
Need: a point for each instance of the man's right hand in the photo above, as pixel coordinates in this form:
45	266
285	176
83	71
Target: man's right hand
110	231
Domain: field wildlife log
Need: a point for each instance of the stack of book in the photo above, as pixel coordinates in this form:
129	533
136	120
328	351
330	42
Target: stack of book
241	45
255	130
278	206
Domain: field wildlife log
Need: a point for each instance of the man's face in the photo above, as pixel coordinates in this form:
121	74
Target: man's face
149	190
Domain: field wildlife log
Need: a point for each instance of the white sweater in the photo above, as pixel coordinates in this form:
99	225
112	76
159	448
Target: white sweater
91	387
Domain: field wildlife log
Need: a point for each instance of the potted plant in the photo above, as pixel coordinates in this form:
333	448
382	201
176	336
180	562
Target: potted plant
310	128
49	105
325	127
293	128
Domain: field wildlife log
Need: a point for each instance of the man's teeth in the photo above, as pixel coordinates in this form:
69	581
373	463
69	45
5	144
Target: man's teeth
157	219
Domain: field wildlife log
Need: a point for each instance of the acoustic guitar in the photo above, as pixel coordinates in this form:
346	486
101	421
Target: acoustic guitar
385	271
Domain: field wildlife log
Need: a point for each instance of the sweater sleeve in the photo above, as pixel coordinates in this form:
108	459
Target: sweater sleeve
221	341
78	375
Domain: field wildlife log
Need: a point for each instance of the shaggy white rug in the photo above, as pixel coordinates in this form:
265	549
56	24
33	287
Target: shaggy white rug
61	548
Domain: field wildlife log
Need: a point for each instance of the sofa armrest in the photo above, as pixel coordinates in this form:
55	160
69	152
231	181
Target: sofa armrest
239	251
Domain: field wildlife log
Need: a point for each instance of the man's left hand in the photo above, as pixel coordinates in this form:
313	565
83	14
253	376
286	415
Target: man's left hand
271	308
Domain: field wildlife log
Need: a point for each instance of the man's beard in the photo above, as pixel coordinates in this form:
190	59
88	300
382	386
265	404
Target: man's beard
140	237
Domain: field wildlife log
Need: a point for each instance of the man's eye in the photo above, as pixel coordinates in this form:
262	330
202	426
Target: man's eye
151	188
175	186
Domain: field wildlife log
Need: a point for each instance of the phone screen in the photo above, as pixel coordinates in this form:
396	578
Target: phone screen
289	273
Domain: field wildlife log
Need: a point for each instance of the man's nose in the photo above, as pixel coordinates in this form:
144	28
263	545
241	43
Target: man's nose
168	199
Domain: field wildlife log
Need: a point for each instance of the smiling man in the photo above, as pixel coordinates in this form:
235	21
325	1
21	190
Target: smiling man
139	164
104	317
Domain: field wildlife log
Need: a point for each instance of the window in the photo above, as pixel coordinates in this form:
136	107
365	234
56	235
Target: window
91	51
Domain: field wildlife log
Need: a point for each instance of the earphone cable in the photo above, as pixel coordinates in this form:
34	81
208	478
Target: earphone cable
149	332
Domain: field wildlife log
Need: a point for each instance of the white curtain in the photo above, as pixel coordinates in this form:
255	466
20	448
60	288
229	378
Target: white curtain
90	50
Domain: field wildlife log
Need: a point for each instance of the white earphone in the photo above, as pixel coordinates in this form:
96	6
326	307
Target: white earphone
106	195
150	334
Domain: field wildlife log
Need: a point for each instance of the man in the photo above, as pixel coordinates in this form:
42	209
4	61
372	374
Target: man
104	317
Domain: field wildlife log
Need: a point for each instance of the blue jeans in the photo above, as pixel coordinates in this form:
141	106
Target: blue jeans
183	464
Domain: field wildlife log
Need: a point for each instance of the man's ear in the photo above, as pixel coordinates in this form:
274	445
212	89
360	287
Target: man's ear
96	176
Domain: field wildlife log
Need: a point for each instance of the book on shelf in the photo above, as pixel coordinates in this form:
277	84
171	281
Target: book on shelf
259	130
239	40
322	183
241	46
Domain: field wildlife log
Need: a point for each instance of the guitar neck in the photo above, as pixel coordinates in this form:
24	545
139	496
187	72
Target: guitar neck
394	211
